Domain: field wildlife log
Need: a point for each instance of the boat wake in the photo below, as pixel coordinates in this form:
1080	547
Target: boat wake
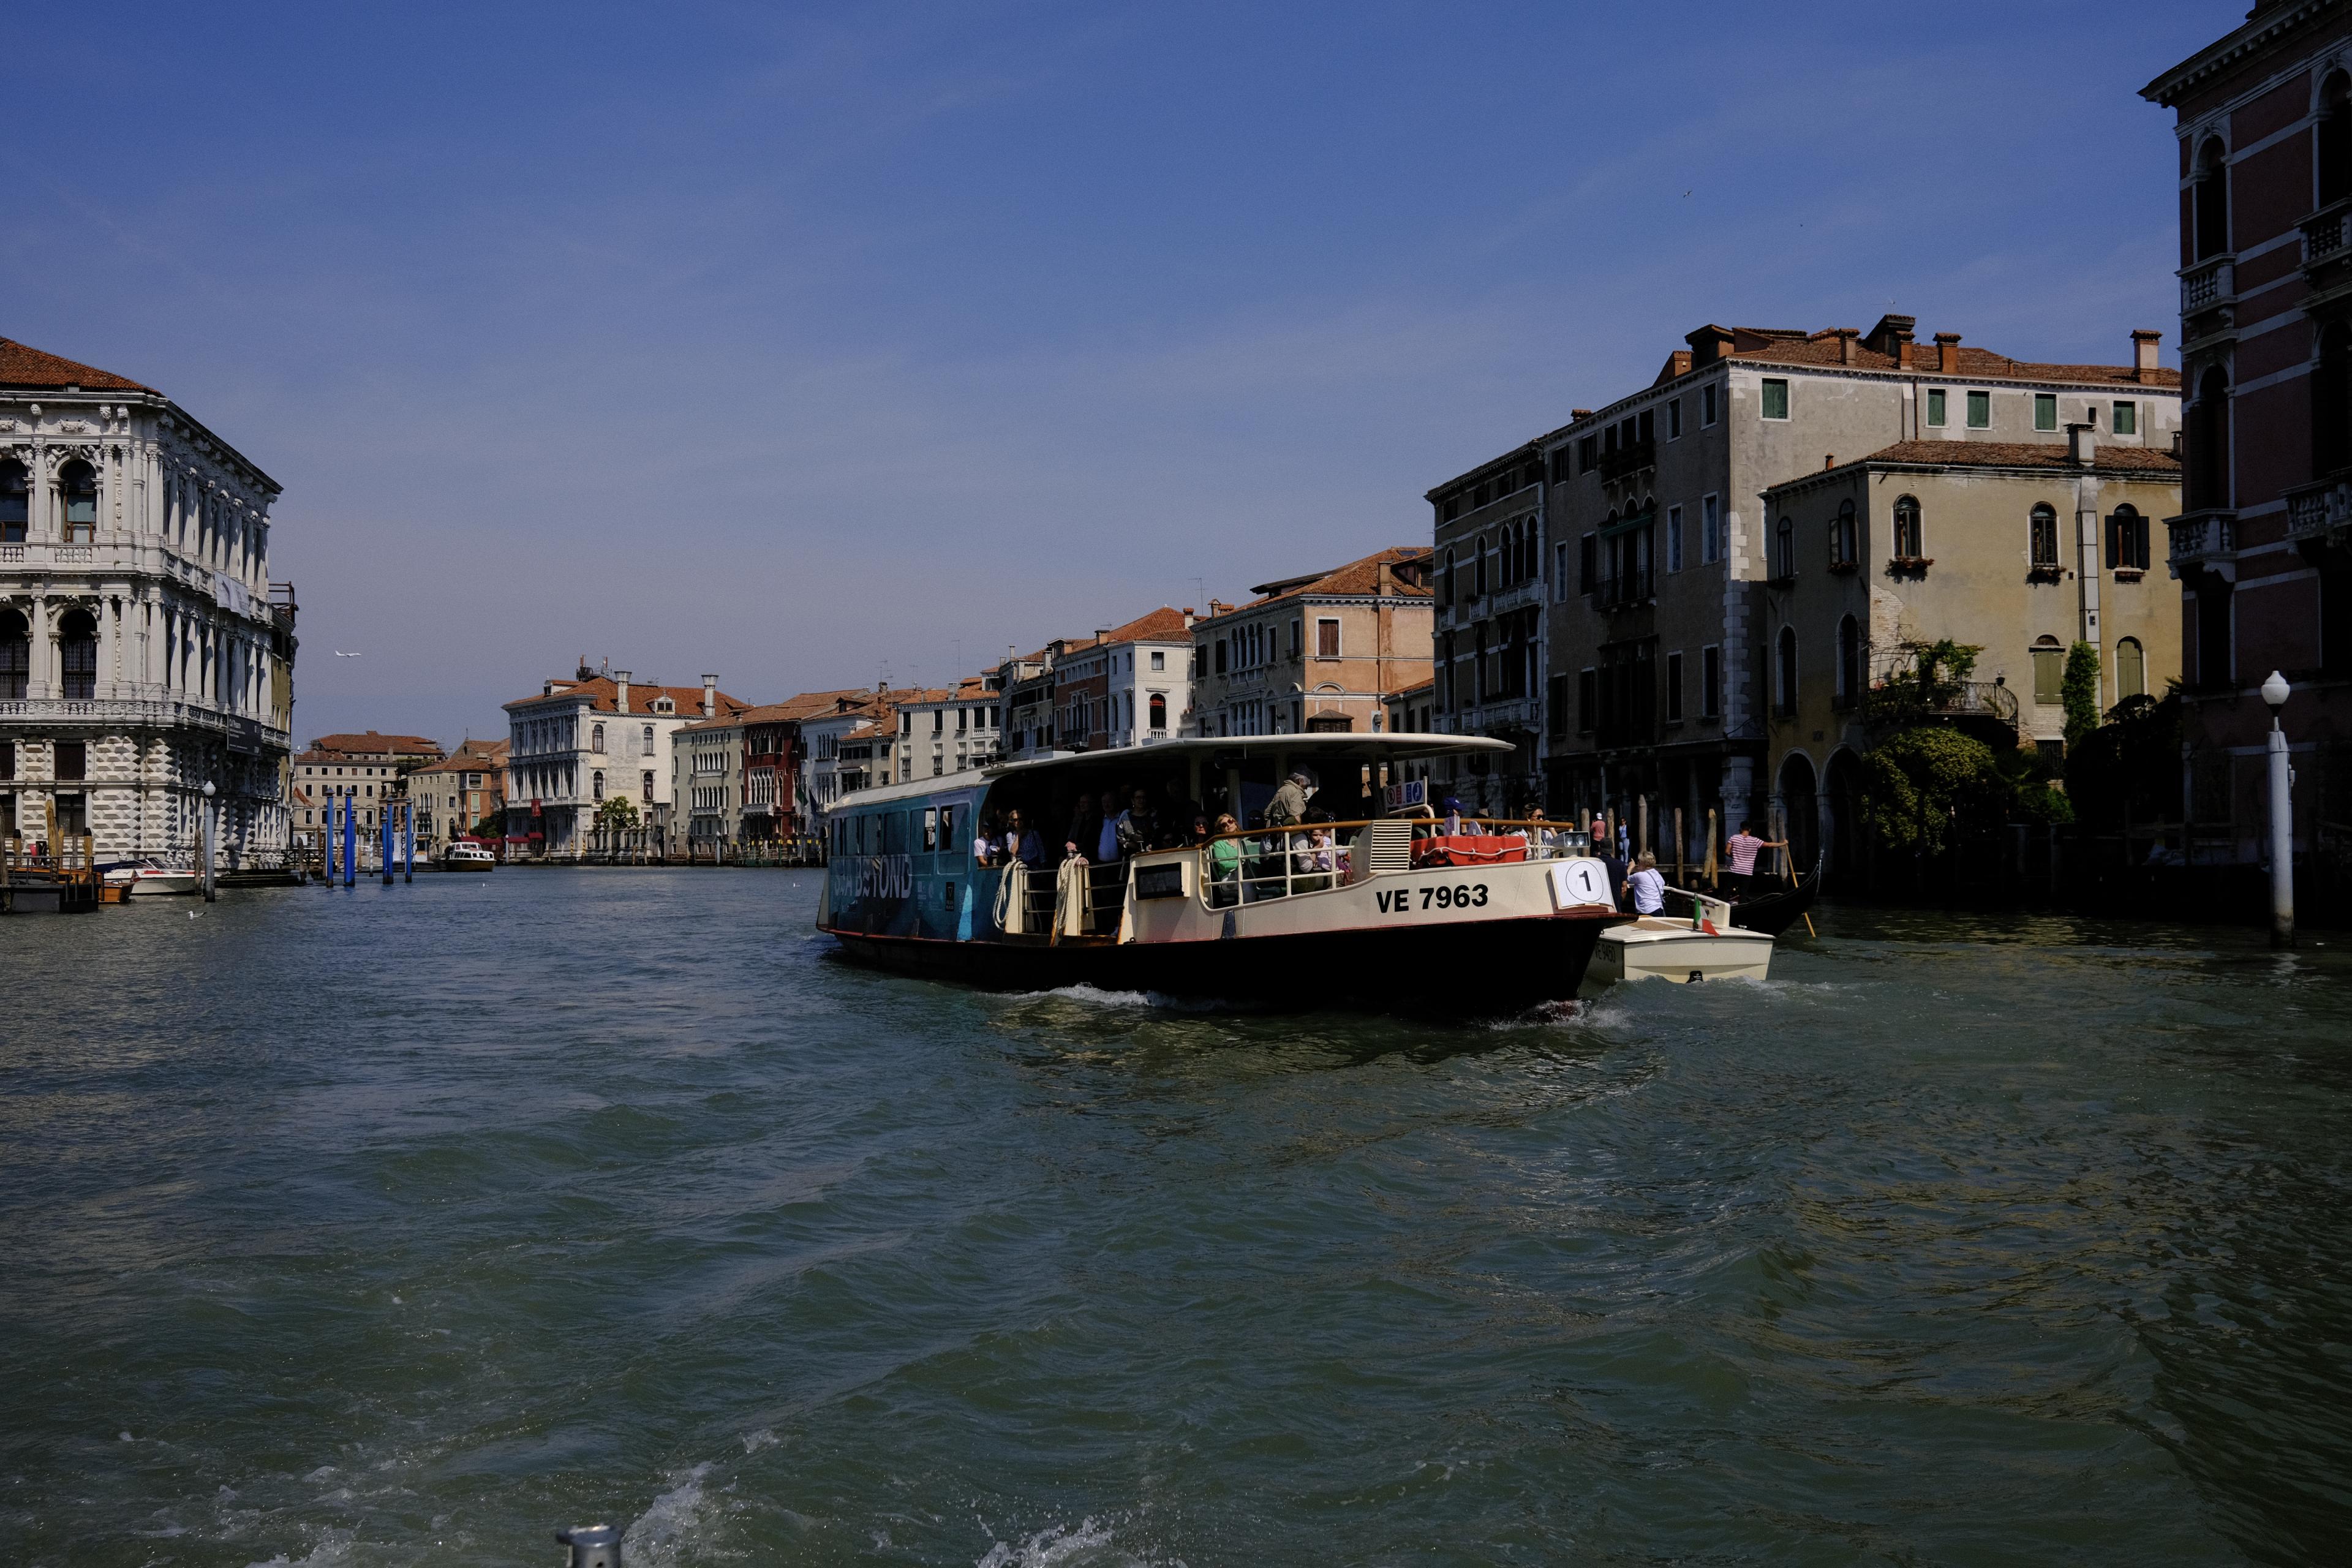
1061	1546
1095	997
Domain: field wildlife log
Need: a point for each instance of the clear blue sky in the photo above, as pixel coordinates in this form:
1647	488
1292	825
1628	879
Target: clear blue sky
796	341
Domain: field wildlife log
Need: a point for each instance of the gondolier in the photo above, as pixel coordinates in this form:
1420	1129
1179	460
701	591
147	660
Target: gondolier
1743	846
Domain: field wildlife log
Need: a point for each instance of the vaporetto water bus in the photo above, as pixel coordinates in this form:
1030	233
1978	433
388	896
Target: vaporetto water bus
1381	904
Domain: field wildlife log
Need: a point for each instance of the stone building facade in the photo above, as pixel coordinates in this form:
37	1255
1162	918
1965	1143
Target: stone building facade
582	742
144	653
2017	550
1315	652
1652	557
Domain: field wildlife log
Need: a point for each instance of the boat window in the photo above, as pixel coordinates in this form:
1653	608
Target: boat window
931	830
947	828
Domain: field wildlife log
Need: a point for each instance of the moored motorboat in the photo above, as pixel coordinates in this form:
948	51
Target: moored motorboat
149	878
1383	909
1684	949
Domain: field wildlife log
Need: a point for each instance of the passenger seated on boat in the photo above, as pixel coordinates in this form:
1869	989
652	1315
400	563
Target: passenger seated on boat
1198	836
1453	816
1105	848
1226	866
1312	855
1648	887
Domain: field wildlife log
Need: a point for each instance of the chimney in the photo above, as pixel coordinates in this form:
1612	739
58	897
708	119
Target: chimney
1947	353
711	697
582	672
1829	461
1576	414
621	689
2143	343
2082	445
1708	344
1849	346
1892	337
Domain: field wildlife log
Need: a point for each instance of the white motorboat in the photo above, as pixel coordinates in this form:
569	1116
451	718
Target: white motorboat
149	878
1685	949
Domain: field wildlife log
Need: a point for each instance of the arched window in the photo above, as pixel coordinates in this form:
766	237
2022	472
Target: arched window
596	782
1908	545
1785	678
1784	548
1849	661
1449	601
2332	140
2127	541
2131	669
16	503
77	482
2207	475
16	654
1159	713
596	740
2043	530
2210	197
2331	402
649	741
1844	546
78	651
1479	568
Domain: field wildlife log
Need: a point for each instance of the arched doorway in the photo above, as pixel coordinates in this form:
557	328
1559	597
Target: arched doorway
1800	810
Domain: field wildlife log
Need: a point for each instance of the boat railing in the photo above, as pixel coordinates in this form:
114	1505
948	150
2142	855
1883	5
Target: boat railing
1699	908
1290	859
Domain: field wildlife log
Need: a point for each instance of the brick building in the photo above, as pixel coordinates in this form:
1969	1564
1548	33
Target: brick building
2262	544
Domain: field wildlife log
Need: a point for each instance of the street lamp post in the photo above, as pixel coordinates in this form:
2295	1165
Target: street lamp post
2275	693
210	836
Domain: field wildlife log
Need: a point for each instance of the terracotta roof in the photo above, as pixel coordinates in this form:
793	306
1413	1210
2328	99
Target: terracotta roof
2155	463
810	704
1774	346
603	697
371	742
470	756
1357	577
1162	624
1418	686
24	366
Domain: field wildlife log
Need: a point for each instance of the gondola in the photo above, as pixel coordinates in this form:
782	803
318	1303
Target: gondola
1776	912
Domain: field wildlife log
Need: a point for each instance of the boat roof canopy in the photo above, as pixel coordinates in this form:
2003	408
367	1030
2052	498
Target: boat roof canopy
1315	752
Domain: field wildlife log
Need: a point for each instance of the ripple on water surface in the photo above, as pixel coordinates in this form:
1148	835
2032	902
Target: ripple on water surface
403	1225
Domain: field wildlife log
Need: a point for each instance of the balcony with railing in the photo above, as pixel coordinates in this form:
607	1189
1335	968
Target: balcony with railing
2326	234
2320	508
1906	700
2201	539
1517	596
2208	283
143	713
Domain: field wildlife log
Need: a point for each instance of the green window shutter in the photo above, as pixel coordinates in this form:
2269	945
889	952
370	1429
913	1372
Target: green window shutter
2048	675
2045	411
2127	418
1776	399
1935	406
1980	410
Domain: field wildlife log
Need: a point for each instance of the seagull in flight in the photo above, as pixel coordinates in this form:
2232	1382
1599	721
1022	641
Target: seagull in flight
340	654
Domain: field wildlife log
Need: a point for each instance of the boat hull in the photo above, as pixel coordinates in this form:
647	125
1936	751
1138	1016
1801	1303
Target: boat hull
1473	968
1644	951
153	885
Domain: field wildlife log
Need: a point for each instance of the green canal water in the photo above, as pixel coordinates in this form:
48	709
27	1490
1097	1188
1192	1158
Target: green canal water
406	1226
